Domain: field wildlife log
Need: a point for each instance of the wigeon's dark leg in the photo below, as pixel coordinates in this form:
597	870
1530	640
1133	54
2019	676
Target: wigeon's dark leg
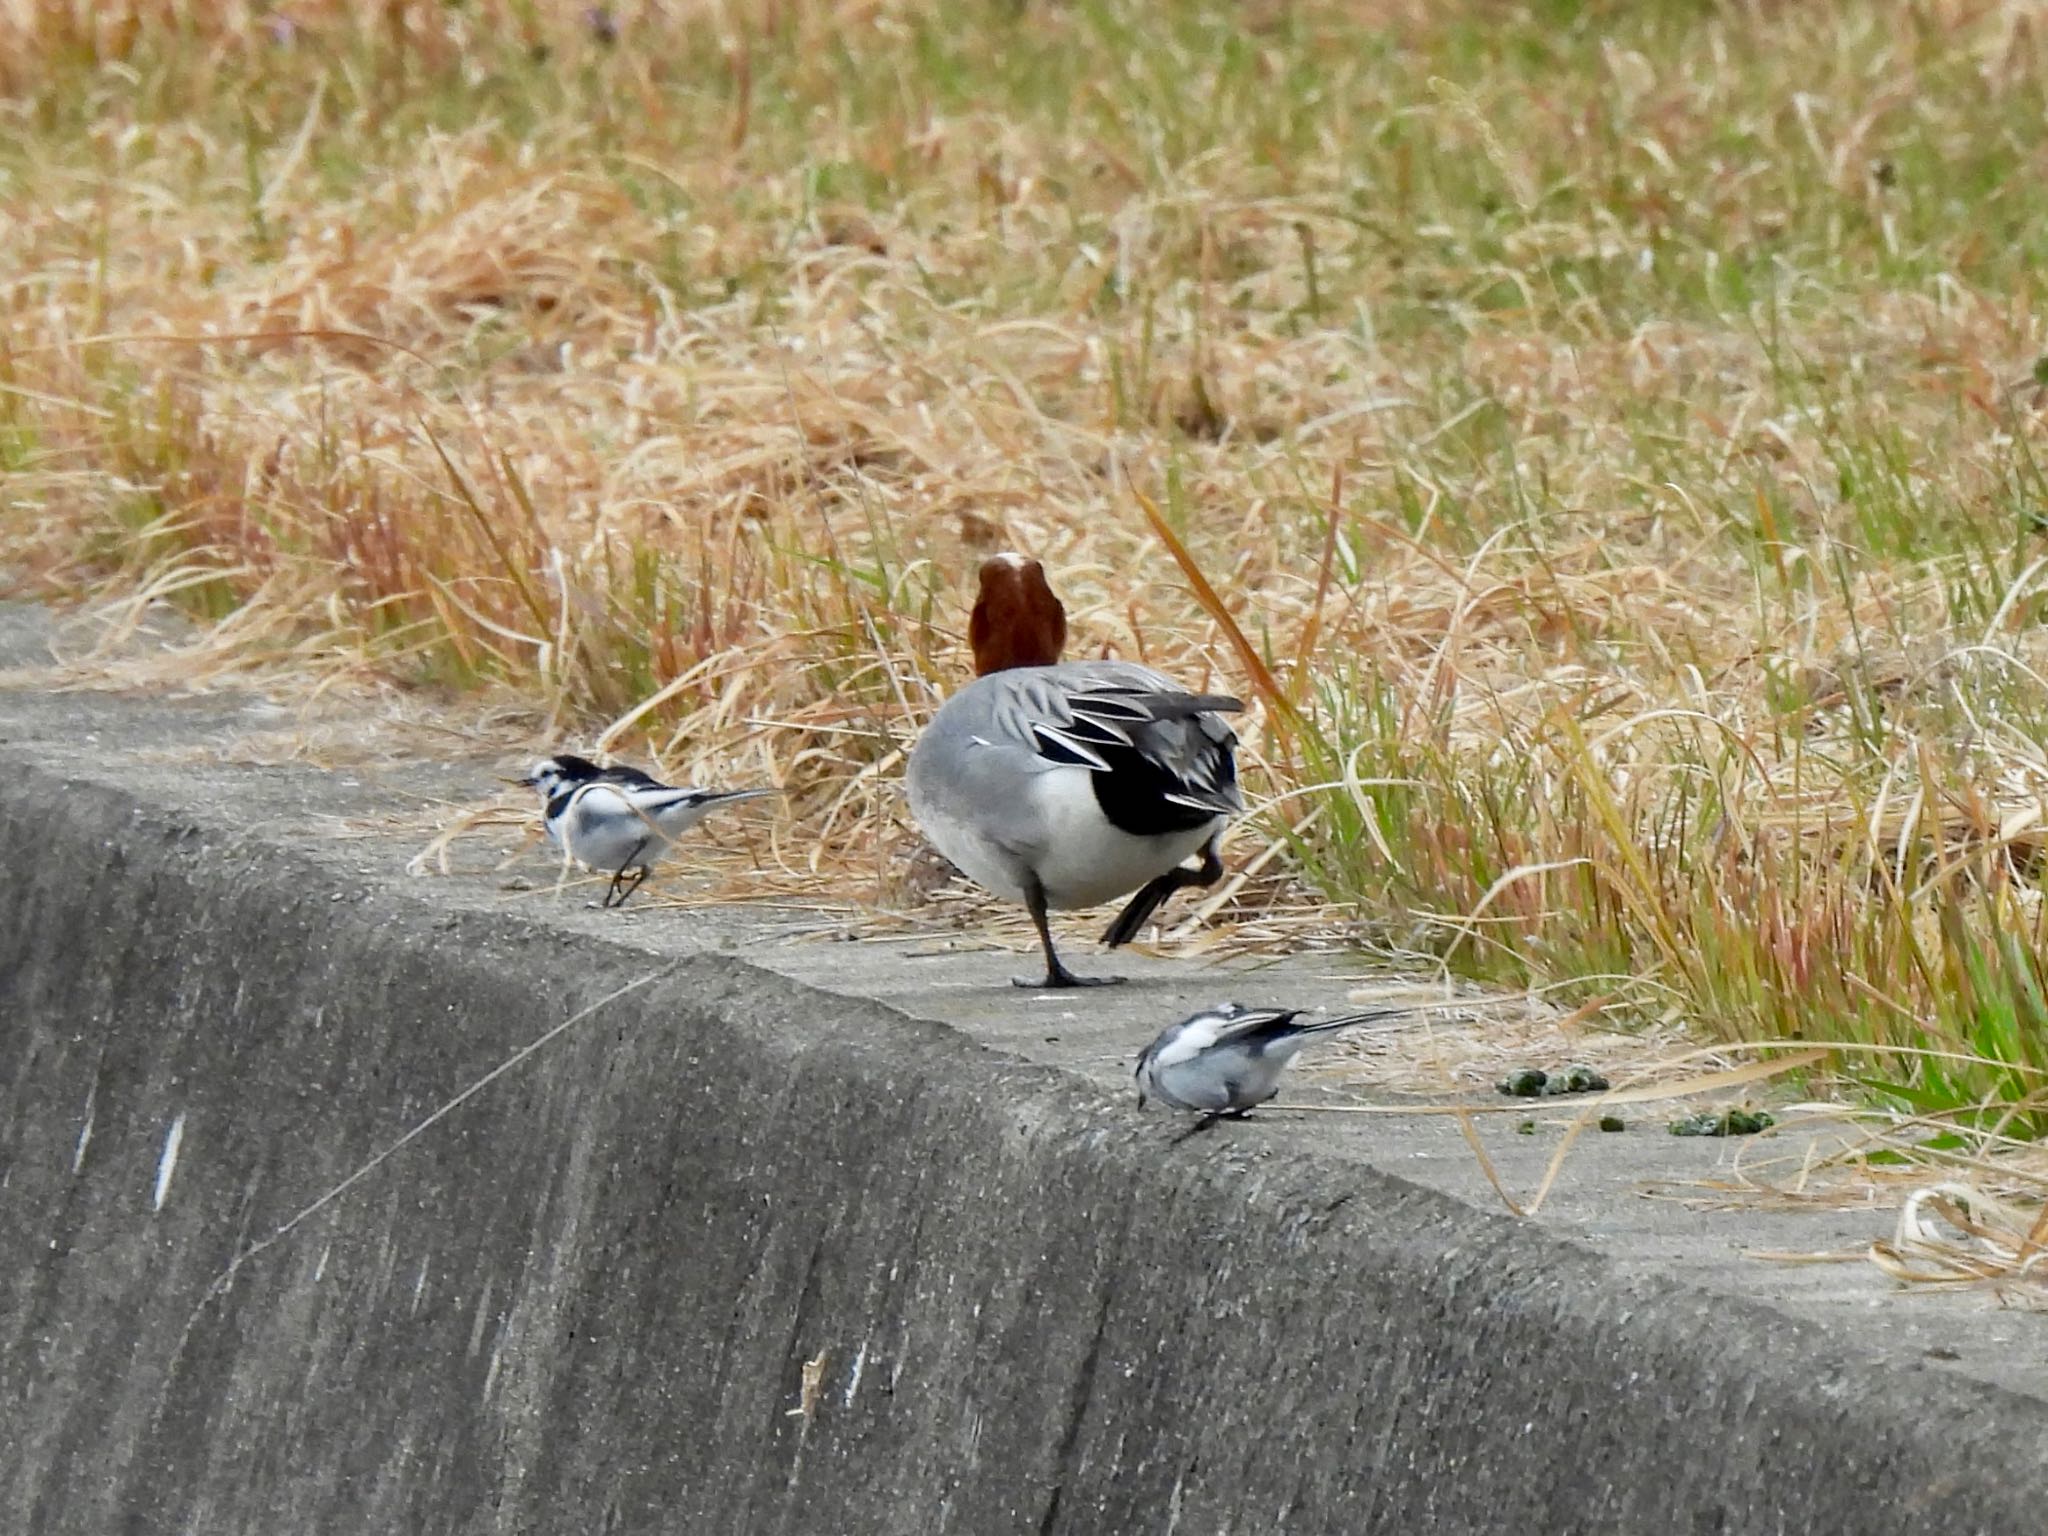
621	887
1153	894
1056	974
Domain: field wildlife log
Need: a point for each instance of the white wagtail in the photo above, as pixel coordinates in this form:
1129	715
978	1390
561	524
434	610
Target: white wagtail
1227	1060
618	819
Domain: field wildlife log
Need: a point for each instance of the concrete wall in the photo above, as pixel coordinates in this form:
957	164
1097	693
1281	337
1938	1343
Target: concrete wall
583	1300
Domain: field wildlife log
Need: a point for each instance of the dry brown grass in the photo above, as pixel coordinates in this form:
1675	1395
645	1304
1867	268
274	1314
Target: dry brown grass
1624	469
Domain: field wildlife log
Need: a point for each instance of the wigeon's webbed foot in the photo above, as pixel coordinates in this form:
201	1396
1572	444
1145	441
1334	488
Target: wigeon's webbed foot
1059	976
1056	973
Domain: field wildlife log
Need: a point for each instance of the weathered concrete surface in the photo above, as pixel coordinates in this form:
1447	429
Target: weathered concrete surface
584	1298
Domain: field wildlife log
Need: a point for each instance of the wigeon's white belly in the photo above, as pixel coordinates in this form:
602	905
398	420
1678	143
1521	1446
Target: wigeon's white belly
1081	859
1053	830
974	850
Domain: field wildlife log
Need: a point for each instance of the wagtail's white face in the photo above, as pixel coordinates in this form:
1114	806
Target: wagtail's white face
551	775
546	777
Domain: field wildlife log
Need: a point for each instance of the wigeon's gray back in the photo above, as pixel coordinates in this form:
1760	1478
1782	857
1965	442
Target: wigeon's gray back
1171	748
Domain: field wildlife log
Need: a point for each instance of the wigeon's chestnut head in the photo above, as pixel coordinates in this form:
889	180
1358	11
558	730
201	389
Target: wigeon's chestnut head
1017	620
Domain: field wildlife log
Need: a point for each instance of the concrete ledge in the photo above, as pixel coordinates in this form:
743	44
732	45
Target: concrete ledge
583	1301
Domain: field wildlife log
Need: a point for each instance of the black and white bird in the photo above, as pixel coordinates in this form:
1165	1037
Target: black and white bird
1227	1060
618	820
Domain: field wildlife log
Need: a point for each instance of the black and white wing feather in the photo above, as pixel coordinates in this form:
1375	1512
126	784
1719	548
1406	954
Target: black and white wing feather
1164	759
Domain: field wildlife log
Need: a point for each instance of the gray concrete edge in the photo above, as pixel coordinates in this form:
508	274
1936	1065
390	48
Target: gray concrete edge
586	1298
